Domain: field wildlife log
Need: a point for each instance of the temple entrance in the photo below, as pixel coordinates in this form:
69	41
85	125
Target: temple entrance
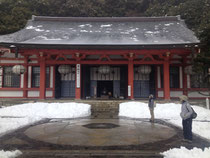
97	85
104	89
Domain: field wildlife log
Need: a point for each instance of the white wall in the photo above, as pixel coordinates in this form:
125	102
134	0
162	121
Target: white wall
196	94
49	93
11	93
176	93
33	93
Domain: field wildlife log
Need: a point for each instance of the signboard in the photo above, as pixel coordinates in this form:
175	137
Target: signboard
78	75
129	90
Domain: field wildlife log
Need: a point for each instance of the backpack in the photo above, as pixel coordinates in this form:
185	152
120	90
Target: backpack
194	114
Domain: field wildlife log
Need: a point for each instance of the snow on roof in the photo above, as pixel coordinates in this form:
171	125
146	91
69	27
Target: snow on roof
103	31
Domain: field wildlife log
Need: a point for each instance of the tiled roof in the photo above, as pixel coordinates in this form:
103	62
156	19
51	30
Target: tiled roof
103	31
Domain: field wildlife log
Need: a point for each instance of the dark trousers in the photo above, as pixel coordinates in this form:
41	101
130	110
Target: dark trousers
187	128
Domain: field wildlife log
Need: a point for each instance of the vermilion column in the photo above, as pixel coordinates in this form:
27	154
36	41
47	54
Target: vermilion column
184	76
25	83
184	82
166	80
130	79
42	87
78	82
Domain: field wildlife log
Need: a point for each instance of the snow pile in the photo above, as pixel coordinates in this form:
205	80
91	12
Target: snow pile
10	154
17	116
141	110
185	153
47	110
169	112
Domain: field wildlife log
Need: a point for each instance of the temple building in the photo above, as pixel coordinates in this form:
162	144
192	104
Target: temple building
99	58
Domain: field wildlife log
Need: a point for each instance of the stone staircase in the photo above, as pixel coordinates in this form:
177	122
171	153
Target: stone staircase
104	108
92	154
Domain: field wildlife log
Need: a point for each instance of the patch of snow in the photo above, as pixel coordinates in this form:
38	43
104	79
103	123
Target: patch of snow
108	25
81	26
30	27
132	30
83	31
50	39
39	30
17	116
150	32
10	154
186	153
169	24
169	112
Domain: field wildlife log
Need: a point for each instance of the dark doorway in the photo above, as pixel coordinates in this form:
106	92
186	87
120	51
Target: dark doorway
57	83
104	89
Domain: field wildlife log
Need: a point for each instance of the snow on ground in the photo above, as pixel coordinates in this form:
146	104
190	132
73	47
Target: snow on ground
14	117
17	116
185	153
10	154
171	112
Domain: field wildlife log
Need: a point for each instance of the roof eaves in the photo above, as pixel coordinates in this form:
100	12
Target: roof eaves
65	46
105	19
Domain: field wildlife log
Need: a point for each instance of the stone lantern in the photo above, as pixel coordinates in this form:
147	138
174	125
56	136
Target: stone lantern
144	69
64	69
105	69
18	69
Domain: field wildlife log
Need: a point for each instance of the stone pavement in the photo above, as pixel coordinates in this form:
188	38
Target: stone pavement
88	137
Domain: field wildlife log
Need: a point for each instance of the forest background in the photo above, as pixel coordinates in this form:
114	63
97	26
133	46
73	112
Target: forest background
196	13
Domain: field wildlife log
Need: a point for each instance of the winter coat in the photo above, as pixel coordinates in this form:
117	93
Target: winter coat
151	103
186	110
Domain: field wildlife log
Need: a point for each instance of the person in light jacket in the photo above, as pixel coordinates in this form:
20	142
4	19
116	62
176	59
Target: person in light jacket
186	112
151	105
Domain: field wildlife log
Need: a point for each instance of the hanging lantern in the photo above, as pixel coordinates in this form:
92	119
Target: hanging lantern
64	69
188	70
144	69
18	69
105	69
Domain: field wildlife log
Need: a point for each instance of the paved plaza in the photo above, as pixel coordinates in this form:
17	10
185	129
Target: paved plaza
88	137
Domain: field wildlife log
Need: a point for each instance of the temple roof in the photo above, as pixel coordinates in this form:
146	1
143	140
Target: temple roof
105	31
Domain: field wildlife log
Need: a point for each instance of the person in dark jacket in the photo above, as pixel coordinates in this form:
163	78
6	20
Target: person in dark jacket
186	112
151	105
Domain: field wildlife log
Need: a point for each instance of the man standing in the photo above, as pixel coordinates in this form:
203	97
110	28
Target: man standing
151	105
186	112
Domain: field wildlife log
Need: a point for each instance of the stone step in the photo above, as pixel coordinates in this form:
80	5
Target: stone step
92	153
105	109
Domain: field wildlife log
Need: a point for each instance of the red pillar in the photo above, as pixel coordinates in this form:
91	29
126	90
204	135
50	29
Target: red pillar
184	76
25	83
42	86
130	80
184	82
166	81
78	82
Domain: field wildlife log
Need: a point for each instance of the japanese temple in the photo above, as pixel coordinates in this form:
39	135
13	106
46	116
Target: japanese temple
99	58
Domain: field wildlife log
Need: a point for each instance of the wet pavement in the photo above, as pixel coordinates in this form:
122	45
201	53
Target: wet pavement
99	132
88	137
